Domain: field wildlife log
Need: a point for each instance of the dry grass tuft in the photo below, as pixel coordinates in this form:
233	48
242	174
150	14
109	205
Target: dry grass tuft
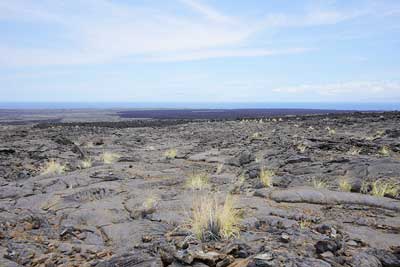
213	221
331	131
198	181
344	184
109	157
86	163
354	151
305	224
379	134
364	187
89	144
53	167
256	135
220	168
170	153
266	177
301	147
385	151
381	188
241	179
319	183
150	203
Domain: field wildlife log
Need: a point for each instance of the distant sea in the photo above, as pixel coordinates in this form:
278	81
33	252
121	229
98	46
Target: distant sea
203	105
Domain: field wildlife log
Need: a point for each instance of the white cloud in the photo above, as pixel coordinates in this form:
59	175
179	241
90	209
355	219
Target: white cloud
205	54
312	18
207	11
98	31
361	90
102	31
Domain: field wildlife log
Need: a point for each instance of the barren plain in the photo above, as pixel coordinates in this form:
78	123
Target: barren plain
303	190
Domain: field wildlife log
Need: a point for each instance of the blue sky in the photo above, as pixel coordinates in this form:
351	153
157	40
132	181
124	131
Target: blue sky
200	51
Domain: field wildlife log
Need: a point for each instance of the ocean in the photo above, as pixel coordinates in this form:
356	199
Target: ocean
204	105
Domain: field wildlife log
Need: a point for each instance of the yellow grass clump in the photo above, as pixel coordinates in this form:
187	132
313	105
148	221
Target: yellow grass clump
385	151
241	178
331	131
302	148
198	181
383	188
256	135
53	167
86	163
220	168
170	153
364	187
354	151
379	134
109	157
266	177
213	221
344	184
304	224
319	183
150	202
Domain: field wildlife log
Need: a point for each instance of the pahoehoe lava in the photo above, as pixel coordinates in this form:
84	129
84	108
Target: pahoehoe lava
122	193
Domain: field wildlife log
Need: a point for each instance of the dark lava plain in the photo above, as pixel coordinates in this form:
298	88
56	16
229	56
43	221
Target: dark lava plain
131	206
219	114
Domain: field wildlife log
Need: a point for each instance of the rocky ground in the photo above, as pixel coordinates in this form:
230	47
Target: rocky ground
135	209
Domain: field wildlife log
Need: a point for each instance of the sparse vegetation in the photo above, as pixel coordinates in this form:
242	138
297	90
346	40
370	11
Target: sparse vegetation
301	147
89	144
364	187
220	168
319	183
170	153
354	151
53	167
266	177
150	202
198	181
256	135
383	188
385	151
241	179
86	163
344	184
304	224
331	131
379	134
258	157
109	157
213	221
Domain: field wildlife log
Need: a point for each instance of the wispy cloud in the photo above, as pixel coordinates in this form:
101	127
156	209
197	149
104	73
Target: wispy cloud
314	17
206	54
97	31
363	90
207	11
111	31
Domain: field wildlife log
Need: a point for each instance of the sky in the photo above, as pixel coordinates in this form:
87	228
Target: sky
199	51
